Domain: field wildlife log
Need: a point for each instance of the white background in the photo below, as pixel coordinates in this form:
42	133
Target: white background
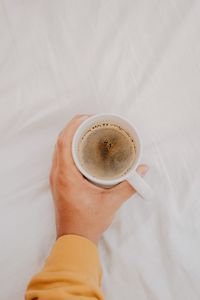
137	58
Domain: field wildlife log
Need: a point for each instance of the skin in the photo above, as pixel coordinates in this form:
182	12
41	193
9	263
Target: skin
81	207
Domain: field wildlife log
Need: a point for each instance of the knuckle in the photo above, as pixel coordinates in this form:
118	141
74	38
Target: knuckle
61	180
60	141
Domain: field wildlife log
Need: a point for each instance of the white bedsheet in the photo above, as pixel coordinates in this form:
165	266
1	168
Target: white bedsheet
137	58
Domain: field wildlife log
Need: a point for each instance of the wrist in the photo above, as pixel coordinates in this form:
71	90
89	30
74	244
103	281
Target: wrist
88	236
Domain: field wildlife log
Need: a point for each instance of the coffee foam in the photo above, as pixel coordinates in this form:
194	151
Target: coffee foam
106	150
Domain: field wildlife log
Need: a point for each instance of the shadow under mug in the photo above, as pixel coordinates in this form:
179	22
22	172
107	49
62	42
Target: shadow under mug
131	176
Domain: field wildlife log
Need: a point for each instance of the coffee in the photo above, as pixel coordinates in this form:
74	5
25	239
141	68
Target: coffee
106	151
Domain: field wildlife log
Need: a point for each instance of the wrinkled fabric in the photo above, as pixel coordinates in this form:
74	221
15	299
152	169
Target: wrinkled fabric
140	59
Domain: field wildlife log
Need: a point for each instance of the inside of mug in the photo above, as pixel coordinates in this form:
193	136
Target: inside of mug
113	119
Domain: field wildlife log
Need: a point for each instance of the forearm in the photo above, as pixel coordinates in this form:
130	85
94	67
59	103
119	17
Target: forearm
72	271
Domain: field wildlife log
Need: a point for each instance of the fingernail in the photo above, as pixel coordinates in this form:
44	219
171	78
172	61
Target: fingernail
84	117
143	169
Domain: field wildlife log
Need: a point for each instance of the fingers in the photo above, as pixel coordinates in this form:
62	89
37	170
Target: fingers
124	190
65	139
62	158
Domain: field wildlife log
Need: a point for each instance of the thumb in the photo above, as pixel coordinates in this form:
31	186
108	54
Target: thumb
124	190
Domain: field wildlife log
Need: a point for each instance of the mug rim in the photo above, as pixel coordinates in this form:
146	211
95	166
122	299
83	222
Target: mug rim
77	134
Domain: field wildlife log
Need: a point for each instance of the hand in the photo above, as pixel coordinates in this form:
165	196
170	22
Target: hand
81	207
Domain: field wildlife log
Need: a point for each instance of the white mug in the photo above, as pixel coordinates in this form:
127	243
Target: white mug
131	176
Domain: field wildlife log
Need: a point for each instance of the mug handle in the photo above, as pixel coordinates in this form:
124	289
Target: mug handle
140	185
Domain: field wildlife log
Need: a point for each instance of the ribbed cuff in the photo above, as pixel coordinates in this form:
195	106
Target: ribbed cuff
76	254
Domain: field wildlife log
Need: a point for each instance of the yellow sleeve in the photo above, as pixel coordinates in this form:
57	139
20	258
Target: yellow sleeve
71	272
